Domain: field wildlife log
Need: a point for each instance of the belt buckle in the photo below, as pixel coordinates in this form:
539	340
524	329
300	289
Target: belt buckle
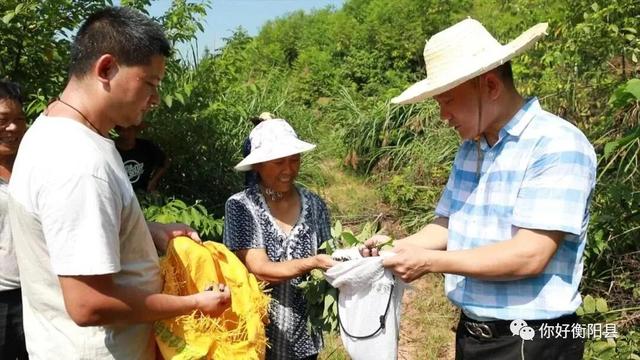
479	330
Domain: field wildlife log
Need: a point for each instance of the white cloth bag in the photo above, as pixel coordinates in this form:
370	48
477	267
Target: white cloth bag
366	290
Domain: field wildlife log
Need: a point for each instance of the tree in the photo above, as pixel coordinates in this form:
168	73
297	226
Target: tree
34	44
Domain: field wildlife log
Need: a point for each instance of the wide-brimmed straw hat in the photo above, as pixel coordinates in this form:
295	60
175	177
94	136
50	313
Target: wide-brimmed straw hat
462	52
272	139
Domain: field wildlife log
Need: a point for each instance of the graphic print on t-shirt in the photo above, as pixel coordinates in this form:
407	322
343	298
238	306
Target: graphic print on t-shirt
134	170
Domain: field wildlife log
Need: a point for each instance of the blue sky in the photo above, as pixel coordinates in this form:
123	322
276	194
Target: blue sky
227	15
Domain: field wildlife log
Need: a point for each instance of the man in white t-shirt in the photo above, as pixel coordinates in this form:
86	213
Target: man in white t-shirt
88	265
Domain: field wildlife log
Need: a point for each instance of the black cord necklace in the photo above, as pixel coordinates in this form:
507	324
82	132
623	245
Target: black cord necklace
81	114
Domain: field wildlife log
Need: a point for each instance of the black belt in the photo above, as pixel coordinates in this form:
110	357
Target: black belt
497	328
6	295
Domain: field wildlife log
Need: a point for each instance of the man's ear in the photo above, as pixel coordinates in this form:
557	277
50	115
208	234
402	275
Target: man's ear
494	84
106	68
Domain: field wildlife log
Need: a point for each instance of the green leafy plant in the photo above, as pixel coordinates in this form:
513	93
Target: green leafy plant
621	345
196	216
322	298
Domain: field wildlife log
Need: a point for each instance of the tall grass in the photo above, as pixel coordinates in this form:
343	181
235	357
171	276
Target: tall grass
407	151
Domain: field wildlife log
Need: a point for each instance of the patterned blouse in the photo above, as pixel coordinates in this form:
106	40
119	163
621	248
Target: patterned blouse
248	224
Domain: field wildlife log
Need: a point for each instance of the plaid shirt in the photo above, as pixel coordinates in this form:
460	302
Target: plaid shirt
540	174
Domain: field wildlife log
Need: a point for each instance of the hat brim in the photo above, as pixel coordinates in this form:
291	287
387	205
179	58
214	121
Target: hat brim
427	88
256	157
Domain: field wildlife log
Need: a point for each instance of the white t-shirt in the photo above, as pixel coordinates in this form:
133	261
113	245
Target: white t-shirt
75	213
9	276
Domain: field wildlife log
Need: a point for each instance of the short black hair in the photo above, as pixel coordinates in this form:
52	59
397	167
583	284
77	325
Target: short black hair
505	72
11	91
132	37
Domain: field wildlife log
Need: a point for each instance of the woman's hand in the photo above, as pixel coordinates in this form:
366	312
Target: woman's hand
323	261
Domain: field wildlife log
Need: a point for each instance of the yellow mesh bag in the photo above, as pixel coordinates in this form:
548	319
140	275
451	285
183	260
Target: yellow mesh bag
239	333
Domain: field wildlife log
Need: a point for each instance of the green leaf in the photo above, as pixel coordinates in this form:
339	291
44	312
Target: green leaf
164	218
188	88
8	17
589	304
350	239
633	87
168	100
610	147
322	286
179	204
386	245
317	275
603	349
367	232
196	217
601	305
180	98
336	230
328	301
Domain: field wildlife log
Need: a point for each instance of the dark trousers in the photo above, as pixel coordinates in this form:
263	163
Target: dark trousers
480	340
12	345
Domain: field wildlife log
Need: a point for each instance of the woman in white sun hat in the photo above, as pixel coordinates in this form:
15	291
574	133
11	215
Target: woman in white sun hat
512	220
276	227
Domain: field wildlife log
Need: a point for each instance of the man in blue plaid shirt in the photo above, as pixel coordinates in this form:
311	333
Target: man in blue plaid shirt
513	216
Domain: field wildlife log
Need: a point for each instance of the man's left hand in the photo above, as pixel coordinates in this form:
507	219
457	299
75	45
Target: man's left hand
162	233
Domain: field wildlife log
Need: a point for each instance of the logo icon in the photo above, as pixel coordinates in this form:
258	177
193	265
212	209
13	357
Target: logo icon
520	328
134	170
527	333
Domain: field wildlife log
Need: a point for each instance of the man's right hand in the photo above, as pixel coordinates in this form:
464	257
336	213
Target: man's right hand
370	247
215	301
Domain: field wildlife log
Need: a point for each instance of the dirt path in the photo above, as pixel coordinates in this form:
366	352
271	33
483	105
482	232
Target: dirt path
426	328
427	316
